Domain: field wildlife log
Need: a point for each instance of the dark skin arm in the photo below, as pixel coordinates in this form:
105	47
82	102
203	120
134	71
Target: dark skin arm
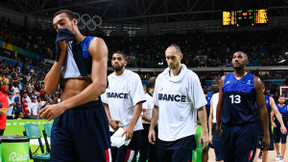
220	107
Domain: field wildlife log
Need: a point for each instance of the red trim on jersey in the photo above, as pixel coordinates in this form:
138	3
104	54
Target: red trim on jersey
250	155
127	155
107	154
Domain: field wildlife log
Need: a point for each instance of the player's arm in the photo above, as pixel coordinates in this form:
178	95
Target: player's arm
210	120
98	51
113	123
52	78
154	119
220	106
272	119
146	117
203	119
278	115
262	111
137	111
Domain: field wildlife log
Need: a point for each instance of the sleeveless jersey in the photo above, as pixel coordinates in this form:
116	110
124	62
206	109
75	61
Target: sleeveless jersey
239	100
78	61
208	98
284	113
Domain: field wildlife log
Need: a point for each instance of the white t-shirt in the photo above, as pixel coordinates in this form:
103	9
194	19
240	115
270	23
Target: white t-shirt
178	99
214	100
34	107
122	94
147	107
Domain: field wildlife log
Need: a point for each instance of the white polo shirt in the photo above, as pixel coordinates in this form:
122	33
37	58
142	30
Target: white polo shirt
147	107
122	94
178	99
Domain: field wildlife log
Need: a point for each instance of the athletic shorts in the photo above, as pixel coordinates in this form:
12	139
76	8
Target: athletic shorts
278	135
239	142
176	151
81	134
218	144
128	153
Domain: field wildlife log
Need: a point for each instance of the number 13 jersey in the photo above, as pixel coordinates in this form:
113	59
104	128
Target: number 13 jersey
239	100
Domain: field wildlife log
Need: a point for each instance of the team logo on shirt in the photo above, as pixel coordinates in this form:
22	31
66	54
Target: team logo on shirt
171	97
249	82
227	82
117	95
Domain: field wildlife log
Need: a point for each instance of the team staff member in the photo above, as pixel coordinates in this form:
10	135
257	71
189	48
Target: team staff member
123	104
177	98
3	112
282	108
147	150
80	129
238	93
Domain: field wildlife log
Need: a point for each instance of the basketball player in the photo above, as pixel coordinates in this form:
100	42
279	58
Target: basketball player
177	98
3	112
271	106
238	93
277	130
214	138
123	104
147	150
80	129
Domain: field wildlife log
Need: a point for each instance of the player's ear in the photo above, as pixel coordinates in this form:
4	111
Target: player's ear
74	20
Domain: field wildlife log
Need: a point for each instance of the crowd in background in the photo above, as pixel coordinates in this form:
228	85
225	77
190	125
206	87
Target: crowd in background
24	90
25	86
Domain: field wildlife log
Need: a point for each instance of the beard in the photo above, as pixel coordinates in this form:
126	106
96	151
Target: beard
238	68
117	68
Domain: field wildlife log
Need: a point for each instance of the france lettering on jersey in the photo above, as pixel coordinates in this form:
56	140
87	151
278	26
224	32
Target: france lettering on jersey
284	113
178	99
122	94
239	100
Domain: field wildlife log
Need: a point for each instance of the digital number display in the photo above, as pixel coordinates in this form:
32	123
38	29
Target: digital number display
249	17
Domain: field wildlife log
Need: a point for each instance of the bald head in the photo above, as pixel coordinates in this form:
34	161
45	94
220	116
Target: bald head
174	48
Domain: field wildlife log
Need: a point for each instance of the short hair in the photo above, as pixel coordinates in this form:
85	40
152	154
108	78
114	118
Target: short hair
244	54
69	13
178	50
123	54
151	82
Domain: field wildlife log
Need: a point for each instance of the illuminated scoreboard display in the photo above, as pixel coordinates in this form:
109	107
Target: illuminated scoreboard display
249	17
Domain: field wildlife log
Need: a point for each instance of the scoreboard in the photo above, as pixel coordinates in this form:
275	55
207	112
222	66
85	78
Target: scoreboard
249	17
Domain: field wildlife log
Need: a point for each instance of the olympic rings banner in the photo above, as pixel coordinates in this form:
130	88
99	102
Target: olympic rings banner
86	21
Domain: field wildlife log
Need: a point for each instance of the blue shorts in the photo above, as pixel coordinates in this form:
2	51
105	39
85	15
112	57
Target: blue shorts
239	142
128	153
81	134
218	144
277	135
176	151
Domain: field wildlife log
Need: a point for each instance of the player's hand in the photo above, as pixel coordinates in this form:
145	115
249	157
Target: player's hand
265	143
219	130
129	132
211	138
50	112
274	125
114	124
205	139
152	136
283	129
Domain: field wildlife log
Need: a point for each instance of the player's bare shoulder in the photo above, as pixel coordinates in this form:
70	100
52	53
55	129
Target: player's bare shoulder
98	48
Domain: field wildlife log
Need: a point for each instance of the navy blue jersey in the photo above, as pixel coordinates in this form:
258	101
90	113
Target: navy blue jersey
208	98
239	100
268	107
284	113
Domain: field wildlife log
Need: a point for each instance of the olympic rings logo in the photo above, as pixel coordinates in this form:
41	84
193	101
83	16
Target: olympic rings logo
85	20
